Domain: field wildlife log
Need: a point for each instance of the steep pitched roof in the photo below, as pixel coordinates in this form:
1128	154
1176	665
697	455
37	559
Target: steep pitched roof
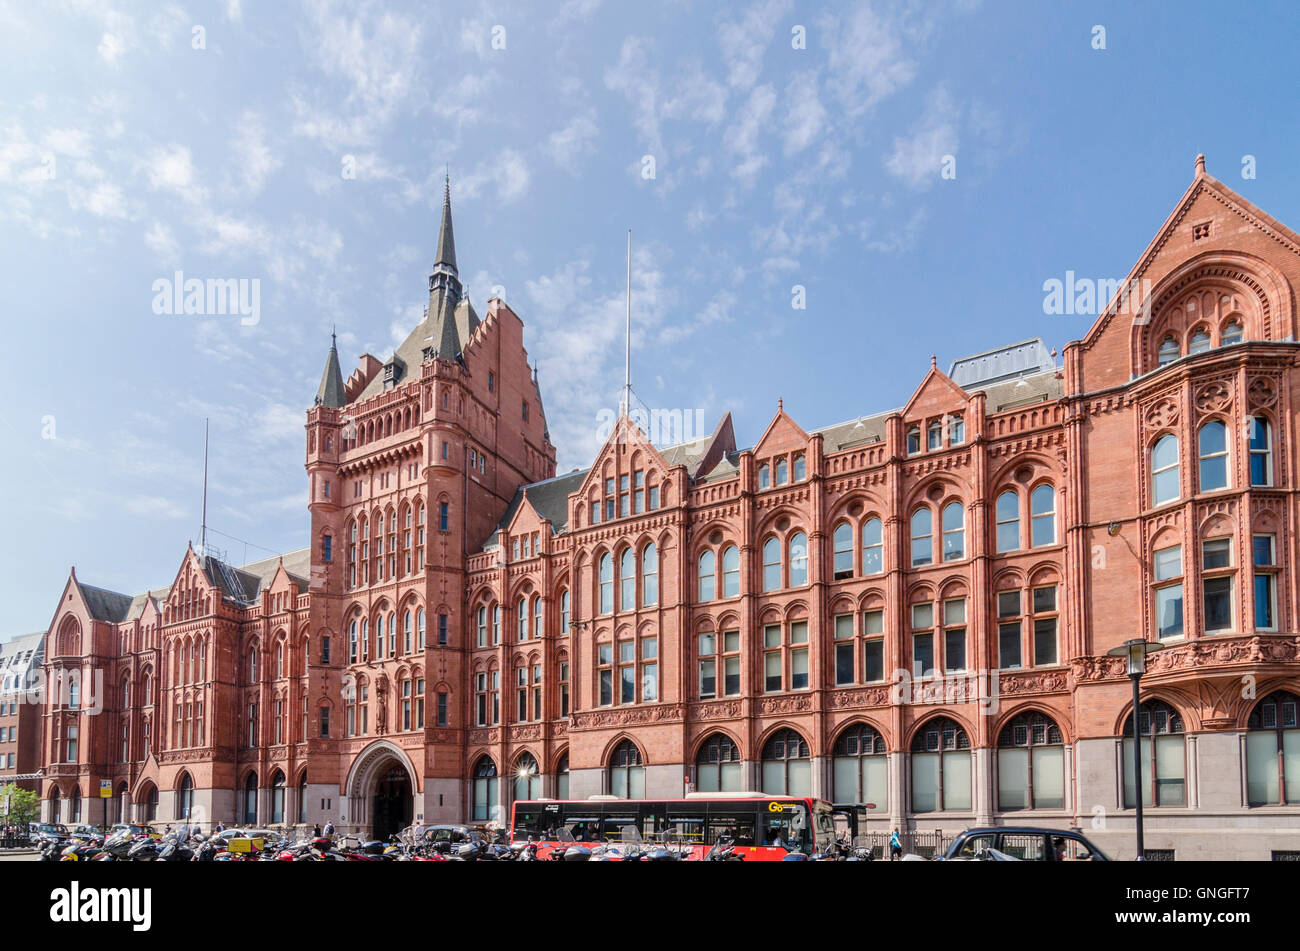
549	499
330	392
105	605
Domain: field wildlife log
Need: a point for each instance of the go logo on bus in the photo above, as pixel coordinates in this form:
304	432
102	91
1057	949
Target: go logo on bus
776	807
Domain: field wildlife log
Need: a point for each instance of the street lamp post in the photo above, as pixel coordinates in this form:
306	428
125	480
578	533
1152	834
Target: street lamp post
1135	651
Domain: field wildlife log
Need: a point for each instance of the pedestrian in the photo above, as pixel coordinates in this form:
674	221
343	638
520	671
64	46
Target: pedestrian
418	832
895	846
315	831
329	828
221	826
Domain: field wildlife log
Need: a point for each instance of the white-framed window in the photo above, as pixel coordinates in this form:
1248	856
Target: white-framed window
1164	470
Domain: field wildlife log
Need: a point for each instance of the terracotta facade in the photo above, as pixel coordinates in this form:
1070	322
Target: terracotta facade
704	616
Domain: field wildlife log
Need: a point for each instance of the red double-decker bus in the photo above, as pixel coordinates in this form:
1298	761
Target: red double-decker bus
763	828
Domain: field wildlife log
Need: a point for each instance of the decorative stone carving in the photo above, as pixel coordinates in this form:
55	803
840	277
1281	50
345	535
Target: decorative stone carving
525	731
718	710
1162	413
1263	391
1213	397
630	716
846	699
798	704
1046	681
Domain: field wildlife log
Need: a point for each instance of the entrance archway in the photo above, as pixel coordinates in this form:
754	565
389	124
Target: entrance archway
391	802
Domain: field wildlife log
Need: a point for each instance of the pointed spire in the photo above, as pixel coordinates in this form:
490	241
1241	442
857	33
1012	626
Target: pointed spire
331	381
446	239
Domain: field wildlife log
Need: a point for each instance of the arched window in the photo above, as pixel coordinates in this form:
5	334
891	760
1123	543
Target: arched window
1261	451
76	804
800	468
798	559
485	788
717	766
730	572
54	805
1168	352
252	665
1008	521
151	804
707	575
941	767
277	798
496	624
185	798
482	626
626	773
606	583
521	618
407	628
279	660
914	440
786	767
1162	755
627	581
419	630
562	777
1200	341
782	470
842	551
873	548
772	564
1231	333
352	642
528	781
1164	469
860	768
1042	516
1031	764
764	476
537	615
250	800
564	612
649	575
954	532
934	435
1273	751
922	537
302	797
1212	444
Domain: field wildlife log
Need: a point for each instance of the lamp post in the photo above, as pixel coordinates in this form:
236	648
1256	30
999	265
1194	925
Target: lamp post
1135	651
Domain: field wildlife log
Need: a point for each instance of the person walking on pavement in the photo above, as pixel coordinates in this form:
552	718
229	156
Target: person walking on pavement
895	846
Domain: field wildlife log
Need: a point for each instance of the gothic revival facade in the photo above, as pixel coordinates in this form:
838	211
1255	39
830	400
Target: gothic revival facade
911	610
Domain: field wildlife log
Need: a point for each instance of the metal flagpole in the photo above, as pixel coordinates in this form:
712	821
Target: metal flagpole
203	531
627	353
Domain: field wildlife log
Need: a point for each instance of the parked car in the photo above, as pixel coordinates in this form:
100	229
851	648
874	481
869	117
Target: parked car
129	828
47	830
1026	844
88	834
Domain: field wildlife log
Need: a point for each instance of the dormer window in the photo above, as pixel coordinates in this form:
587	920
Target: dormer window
956	431
1169	351
782	469
914	440
638	496
800	468
934	436
764	476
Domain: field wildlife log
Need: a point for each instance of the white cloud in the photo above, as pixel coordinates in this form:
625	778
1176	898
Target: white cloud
566	146
745	42
742	136
154	506
171	169
507	170
254	160
161	241
105	200
805	115
917	157
867	61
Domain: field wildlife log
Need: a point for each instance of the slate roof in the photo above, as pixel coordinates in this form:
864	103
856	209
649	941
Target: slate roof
979	370
550	499
20	654
105	605
331	382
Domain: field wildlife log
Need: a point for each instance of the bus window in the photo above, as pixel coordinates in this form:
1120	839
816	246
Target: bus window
687	821
738	825
824	833
615	819
789	826
584	827
652	820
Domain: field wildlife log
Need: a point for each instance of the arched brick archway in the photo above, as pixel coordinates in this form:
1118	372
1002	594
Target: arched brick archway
381	788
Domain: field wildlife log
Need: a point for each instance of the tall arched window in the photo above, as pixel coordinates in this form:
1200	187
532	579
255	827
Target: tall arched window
1031	764
860	768
873	548
562	777
407	629
649	575
764	476
954	532
800	468
1261	451
707	575
521	618
252	665
786	767
250	800
528	781
1008	521
1273	751
772	564
1212	445
185	798
717	766
537	615
842	551
941	767
485	788
626	773
914	440
782	469
564	612
76	804
1042	516
1164	469
277	798
482	626
627	580
302	797
151	803
606	583
1162	754
731	572
922	537
798	559
1168	352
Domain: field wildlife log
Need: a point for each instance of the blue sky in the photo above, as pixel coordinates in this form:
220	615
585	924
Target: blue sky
213	138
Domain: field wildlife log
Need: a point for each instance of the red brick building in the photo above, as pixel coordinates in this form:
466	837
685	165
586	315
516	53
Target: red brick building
910	609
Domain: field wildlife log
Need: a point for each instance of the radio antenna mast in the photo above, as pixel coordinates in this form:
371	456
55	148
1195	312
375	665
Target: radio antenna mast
203	530
627	353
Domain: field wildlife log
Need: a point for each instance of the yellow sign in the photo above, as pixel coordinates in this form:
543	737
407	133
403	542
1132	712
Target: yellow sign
244	845
775	807
105	789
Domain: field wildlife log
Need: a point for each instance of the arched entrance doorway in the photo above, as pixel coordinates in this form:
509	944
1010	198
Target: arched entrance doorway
391	803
